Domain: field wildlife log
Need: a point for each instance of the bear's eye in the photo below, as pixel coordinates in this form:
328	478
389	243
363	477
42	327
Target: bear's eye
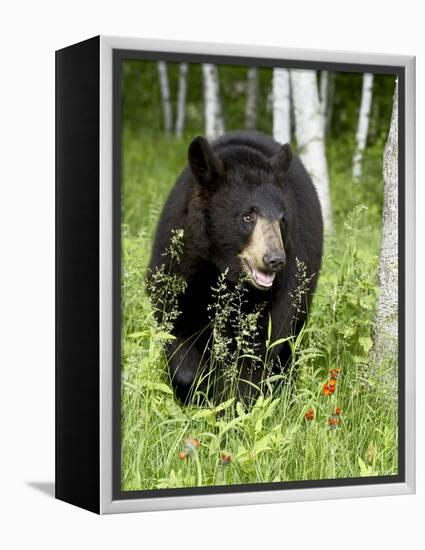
249	217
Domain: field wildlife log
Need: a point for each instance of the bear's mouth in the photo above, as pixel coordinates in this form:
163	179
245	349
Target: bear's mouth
258	278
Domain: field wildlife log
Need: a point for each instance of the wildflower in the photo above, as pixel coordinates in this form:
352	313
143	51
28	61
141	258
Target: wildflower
329	389
309	415
332	382
190	445
334	373
225	459
333	422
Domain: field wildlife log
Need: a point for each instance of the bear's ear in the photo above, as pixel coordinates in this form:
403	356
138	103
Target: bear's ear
205	166
282	159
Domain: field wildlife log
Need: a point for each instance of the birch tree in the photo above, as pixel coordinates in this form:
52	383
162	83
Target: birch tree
181	99
165	96
251	98
363	124
214	123
385	328
281	106
309	136
324	91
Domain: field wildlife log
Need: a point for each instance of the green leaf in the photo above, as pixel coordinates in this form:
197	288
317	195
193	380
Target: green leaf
161	335
203	413
348	331
240	409
226	426
139	334
262	444
224	406
157	386
365	471
259	425
280	341
270	408
269	328
366	343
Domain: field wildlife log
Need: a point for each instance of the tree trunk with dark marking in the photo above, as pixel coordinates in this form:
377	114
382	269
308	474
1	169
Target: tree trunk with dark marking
363	124
310	138
385	329
214	123
251	98
165	97
181	99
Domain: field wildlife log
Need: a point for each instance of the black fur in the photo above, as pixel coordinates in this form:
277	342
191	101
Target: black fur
208	200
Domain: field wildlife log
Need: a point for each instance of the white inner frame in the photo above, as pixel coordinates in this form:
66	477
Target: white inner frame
107	504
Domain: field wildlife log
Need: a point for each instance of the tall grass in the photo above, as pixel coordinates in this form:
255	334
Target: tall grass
294	431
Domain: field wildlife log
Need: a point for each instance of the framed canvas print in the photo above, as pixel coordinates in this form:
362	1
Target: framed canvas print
234	274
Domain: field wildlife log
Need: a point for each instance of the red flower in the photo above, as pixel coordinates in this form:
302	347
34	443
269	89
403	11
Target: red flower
337	411
332	382
333	422
329	389
326	389
191	443
309	415
334	373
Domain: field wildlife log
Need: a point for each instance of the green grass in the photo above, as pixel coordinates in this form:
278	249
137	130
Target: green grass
273	441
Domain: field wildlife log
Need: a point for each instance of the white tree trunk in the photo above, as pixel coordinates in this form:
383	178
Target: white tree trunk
324	91
165	96
251	98
214	124
309	135
363	124
281	106
181	99
385	330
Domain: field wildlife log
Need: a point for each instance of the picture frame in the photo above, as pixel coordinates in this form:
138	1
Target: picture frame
88	275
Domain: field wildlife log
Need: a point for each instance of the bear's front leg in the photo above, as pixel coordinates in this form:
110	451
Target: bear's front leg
184	362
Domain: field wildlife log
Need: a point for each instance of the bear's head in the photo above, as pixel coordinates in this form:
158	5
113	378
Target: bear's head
243	198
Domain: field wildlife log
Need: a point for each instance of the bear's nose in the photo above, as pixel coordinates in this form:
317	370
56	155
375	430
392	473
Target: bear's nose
274	260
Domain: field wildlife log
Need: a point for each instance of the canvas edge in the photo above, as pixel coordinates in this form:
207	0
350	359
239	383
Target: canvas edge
107	504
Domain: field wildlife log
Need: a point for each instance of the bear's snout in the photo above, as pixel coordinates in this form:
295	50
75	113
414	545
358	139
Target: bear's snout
274	261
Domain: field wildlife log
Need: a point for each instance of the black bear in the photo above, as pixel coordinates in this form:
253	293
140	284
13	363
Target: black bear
248	209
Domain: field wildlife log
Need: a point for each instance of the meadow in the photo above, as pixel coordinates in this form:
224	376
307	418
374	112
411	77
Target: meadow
336	415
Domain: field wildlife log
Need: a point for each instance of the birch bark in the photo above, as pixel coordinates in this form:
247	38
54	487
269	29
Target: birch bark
309	136
324	91
181	99
363	124
251	98
281	106
385	329
214	123
165	96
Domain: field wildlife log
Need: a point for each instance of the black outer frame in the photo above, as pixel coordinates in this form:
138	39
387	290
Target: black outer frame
77	417
78	284
119	55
